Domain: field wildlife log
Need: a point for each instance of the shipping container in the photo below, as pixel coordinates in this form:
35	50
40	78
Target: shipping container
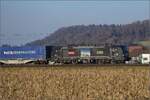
135	50
23	54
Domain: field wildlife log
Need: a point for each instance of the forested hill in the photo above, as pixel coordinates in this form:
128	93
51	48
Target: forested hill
98	34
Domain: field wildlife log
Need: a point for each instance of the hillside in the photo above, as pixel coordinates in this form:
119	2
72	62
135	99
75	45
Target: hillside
98	34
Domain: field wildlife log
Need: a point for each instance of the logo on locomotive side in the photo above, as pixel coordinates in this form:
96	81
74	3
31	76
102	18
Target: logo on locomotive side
71	53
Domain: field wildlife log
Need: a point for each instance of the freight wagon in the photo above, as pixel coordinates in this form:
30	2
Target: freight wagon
25	54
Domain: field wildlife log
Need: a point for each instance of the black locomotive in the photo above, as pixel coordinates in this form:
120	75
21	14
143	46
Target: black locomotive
91	54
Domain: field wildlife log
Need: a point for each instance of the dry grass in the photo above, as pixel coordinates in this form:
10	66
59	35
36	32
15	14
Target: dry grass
75	83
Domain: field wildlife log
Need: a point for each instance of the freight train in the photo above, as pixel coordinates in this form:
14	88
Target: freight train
64	55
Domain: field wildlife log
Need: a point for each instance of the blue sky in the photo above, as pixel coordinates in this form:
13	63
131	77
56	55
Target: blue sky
25	21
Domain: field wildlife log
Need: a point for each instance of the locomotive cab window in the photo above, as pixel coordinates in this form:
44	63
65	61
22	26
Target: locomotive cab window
145	59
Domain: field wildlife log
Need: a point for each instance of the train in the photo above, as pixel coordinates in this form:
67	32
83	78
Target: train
103	54
93	54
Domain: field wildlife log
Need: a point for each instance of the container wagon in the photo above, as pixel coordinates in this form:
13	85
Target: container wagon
25	54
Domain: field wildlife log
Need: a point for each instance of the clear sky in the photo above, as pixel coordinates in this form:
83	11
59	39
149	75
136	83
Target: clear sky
25	21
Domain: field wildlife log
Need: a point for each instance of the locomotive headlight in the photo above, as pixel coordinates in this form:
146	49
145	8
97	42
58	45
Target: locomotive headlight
116	54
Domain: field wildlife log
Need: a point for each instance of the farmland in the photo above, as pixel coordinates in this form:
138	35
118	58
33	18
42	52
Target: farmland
75	83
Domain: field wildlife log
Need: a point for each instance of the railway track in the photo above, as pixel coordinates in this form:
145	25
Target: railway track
75	65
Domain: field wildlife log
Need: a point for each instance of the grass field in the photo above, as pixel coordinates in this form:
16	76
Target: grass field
75	83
